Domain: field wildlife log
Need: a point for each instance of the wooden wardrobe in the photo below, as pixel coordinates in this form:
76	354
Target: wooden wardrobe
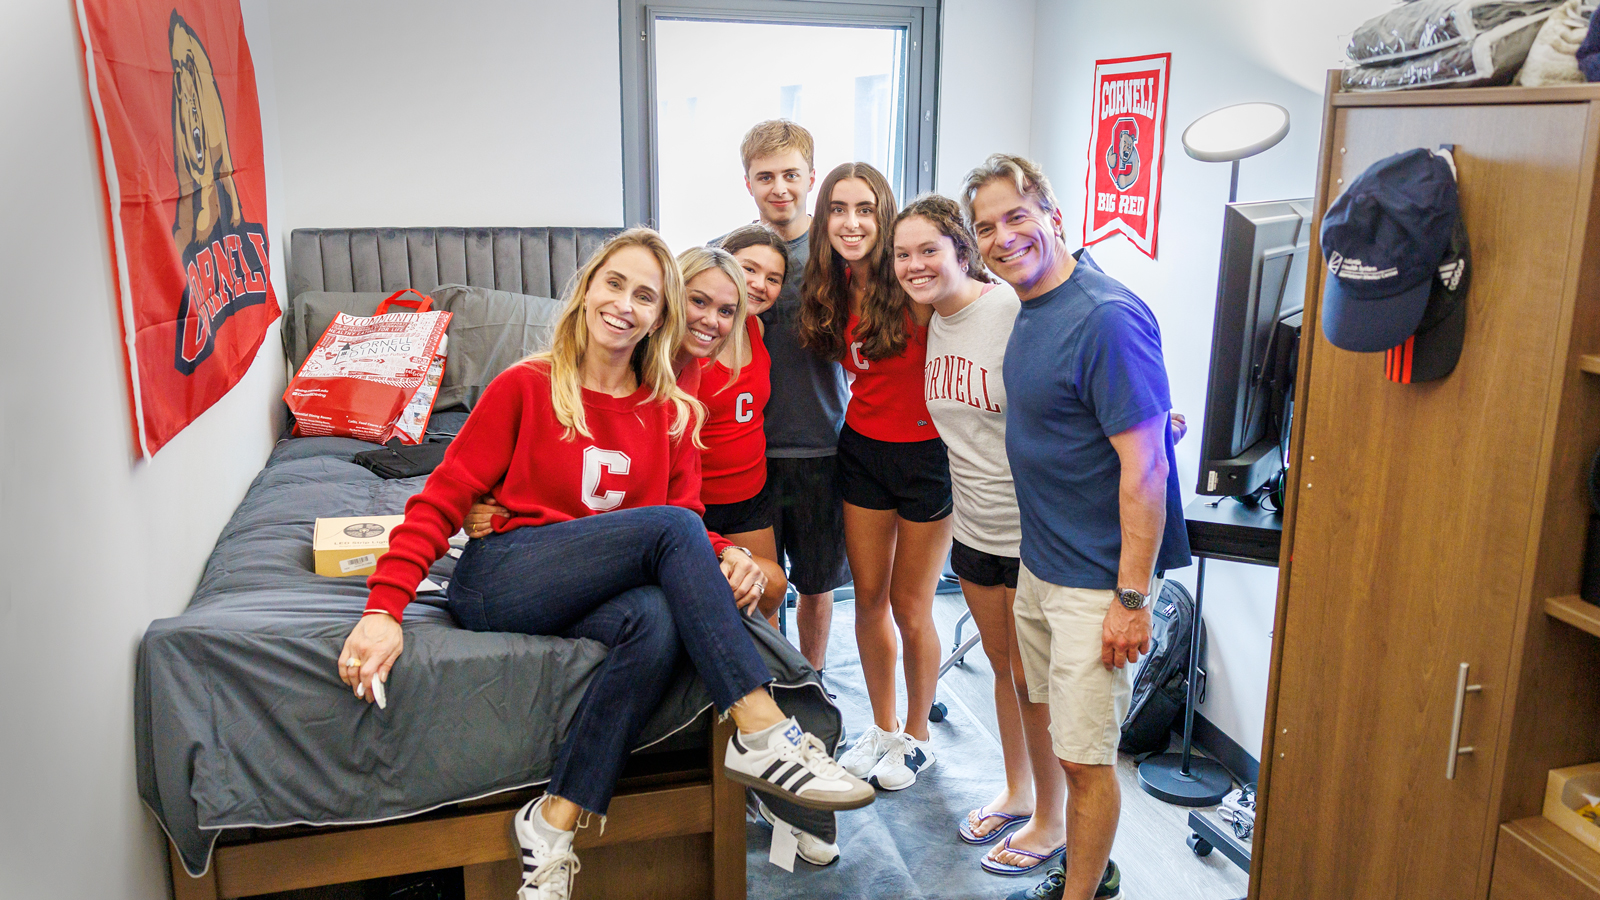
1431	527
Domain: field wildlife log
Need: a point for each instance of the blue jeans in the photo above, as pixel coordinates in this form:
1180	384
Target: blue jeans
645	583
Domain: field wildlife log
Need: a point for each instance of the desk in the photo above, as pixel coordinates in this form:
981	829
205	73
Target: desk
1228	530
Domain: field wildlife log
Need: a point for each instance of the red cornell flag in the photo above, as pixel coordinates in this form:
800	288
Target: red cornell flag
1127	139
173	92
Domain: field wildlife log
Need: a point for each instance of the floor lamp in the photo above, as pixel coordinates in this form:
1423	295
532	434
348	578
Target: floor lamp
1226	135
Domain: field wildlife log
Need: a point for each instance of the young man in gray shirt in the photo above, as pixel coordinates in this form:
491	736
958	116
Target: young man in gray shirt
808	393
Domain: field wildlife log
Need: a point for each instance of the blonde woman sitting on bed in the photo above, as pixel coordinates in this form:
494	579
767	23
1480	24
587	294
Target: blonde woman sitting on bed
591	447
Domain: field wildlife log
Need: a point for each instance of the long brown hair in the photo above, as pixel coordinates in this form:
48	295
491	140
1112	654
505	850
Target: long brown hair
945	214
825	292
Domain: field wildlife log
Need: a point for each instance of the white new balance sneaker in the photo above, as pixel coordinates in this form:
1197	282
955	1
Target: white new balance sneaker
865	752
547	868
903	757
795	766
811	848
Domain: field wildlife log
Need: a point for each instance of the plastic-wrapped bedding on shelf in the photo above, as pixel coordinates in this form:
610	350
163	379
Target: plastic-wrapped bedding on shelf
1492	57
1554	56
1428	26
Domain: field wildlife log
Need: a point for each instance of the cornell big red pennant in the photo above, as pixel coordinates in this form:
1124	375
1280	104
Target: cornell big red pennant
1126	144
173	92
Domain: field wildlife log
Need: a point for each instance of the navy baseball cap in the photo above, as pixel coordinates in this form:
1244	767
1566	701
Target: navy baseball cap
1383	239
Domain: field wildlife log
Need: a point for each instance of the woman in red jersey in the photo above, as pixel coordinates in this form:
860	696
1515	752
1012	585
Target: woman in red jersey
730	369
895	476
591	448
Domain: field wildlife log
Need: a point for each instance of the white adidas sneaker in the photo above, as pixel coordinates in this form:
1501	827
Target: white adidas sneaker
547	868
866	751
811	848
903	757
795	766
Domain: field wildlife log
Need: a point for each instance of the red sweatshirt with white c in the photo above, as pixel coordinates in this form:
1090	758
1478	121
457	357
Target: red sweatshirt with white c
513	447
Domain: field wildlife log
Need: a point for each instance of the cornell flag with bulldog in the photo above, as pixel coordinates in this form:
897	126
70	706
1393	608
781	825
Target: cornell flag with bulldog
173	93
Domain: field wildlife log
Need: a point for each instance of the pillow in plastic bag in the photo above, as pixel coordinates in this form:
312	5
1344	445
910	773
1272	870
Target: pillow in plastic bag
1492	57
1428	26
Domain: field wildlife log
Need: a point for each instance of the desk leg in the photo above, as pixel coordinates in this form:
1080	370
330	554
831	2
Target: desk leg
1179	778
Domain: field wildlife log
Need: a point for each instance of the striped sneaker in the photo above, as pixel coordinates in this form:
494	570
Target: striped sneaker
547	868
795	766
903	757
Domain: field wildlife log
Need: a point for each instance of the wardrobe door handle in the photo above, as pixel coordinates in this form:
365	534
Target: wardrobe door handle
1456	750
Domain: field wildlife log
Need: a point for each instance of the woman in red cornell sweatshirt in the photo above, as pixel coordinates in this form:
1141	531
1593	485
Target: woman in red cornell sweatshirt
591	448
892	465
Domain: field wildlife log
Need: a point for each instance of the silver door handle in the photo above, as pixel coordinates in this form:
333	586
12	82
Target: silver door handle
1456	750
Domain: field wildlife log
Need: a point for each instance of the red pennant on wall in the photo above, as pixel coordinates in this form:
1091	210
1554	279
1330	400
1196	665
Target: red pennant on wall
1126	144
173	92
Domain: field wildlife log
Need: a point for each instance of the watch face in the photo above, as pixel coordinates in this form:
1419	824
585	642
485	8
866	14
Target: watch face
1131	598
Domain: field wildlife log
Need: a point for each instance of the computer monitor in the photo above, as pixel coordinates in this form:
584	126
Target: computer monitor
1260	285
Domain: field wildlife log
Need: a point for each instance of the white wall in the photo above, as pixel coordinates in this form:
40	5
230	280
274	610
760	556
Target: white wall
94	547
985	85
1223	51
413	112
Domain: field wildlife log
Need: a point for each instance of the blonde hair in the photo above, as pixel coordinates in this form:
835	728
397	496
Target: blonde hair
652	356
697	260
1023	174
772	137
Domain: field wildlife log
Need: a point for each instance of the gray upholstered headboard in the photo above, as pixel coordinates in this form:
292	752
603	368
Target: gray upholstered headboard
536	261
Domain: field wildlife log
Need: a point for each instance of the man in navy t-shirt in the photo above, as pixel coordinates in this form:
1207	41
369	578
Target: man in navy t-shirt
1088	438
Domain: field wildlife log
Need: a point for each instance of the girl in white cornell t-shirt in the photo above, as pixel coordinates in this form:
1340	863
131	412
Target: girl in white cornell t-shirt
936	261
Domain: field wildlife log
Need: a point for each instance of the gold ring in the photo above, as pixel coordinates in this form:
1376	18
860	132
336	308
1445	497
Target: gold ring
353	662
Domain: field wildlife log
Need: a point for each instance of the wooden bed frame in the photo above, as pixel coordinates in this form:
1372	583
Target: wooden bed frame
673	834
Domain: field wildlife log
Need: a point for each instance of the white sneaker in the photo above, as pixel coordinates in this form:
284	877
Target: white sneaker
865	752
812	849
903	757
795	766
547	868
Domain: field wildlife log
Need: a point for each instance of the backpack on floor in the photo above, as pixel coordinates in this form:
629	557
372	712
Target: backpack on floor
1161	679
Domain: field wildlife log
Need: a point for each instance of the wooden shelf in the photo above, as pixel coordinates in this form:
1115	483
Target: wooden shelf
1590	363
1537	859
1574	611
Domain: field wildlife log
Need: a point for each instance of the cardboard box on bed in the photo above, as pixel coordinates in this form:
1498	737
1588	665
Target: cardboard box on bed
351	545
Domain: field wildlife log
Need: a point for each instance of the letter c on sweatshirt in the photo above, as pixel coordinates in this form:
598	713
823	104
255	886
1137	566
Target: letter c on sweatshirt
596	460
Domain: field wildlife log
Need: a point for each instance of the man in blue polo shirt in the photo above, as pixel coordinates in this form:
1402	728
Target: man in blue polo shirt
1088	438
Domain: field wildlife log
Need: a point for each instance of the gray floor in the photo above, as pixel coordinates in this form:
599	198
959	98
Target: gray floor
904	845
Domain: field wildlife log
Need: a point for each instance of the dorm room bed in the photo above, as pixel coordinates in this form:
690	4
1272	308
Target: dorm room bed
245	735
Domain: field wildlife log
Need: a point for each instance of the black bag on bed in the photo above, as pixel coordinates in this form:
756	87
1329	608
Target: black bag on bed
396	460
1161	681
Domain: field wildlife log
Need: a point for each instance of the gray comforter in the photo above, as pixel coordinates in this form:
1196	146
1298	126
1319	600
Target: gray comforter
241	720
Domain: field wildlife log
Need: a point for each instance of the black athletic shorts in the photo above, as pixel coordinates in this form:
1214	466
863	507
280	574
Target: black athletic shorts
808	521
737	518
983	569
911	478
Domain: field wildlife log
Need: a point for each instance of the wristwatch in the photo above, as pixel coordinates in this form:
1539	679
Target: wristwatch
745	550
1132	599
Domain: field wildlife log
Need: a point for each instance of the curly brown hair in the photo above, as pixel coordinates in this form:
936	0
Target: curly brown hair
945	214
825	292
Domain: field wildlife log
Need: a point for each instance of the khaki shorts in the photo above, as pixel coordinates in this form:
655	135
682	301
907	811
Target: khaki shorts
1059	631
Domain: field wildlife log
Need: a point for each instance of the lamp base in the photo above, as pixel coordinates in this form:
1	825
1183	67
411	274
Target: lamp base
1205	785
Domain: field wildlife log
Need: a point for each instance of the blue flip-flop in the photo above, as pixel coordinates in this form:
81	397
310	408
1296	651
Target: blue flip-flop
1007	821
1000	868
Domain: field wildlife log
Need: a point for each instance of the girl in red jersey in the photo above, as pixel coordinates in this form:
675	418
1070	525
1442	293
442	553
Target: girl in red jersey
725	364
591	448
896	479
